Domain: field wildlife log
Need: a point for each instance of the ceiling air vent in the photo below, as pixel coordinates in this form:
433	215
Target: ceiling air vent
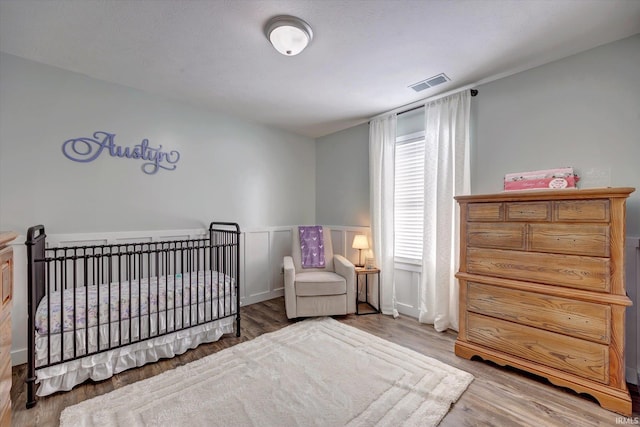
430	82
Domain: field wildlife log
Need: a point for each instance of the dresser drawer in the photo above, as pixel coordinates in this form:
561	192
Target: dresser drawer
577	239
582	210
501	235
583	358
569	317
528	211
571	271
485	212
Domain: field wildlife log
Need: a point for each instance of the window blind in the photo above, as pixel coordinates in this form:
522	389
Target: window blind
409	198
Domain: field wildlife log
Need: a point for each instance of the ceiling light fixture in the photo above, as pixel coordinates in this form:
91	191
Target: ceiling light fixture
288	35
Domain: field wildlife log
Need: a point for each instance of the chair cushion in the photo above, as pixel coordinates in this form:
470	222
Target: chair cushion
320	283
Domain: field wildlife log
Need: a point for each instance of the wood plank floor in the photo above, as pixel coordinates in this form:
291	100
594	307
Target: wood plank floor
497	397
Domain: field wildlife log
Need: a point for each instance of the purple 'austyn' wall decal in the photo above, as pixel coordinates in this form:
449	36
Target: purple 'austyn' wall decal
88	149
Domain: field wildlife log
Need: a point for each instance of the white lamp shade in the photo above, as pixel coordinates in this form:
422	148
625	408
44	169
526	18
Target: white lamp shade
288	35
288	40
360	242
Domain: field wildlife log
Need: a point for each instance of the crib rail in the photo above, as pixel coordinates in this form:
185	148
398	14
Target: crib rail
127	293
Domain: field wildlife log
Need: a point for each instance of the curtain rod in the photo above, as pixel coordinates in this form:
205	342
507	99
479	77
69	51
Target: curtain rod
419	104
474	92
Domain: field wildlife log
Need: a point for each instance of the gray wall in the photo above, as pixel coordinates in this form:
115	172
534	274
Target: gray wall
582	111
230	169
342	181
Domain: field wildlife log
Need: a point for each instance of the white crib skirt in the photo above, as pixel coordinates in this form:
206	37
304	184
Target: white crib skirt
100	366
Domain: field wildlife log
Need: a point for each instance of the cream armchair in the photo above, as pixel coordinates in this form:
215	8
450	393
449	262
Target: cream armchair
318	291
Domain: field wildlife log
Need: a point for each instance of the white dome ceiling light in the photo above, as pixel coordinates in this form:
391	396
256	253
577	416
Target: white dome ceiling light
288	35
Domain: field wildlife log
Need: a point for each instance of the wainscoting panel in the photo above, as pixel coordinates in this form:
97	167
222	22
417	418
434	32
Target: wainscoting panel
407	277
632	332
337	240
342	240
280	247
257	278
264	250
19	309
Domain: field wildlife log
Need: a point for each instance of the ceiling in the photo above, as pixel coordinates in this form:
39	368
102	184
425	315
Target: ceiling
365	53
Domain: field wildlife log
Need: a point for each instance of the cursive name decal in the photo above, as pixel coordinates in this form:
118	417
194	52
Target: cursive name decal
86	150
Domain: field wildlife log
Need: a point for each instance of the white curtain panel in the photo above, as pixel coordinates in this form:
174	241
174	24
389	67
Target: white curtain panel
446	175
382	139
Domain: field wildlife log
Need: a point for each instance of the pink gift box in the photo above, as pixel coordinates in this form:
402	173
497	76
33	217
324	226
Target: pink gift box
547	179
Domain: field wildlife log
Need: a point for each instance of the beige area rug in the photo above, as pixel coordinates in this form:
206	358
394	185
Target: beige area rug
317	372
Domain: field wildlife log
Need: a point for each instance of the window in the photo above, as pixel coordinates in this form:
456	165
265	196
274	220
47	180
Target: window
409	197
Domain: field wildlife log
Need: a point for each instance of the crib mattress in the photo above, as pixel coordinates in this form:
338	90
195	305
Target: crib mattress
55	347
104	304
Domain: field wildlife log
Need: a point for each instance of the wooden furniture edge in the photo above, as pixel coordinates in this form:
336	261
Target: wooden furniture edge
613	399
6	256
525	195
554	290
7	237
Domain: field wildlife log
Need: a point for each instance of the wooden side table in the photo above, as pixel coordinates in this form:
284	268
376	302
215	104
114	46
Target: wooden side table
366	272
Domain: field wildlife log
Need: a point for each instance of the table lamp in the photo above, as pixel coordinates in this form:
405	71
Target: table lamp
360	242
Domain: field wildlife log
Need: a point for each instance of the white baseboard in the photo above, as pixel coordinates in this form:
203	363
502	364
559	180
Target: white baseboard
261	297
19	357
631	375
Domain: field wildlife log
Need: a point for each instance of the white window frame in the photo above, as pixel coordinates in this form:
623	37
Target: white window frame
405	139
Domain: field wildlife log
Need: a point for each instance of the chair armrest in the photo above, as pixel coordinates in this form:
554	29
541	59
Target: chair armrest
289	287
346	269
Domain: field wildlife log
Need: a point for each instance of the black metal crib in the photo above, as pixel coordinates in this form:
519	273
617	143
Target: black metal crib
85	300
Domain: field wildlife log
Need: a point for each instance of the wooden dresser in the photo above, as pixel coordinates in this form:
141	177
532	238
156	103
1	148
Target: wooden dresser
6	293
542	286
